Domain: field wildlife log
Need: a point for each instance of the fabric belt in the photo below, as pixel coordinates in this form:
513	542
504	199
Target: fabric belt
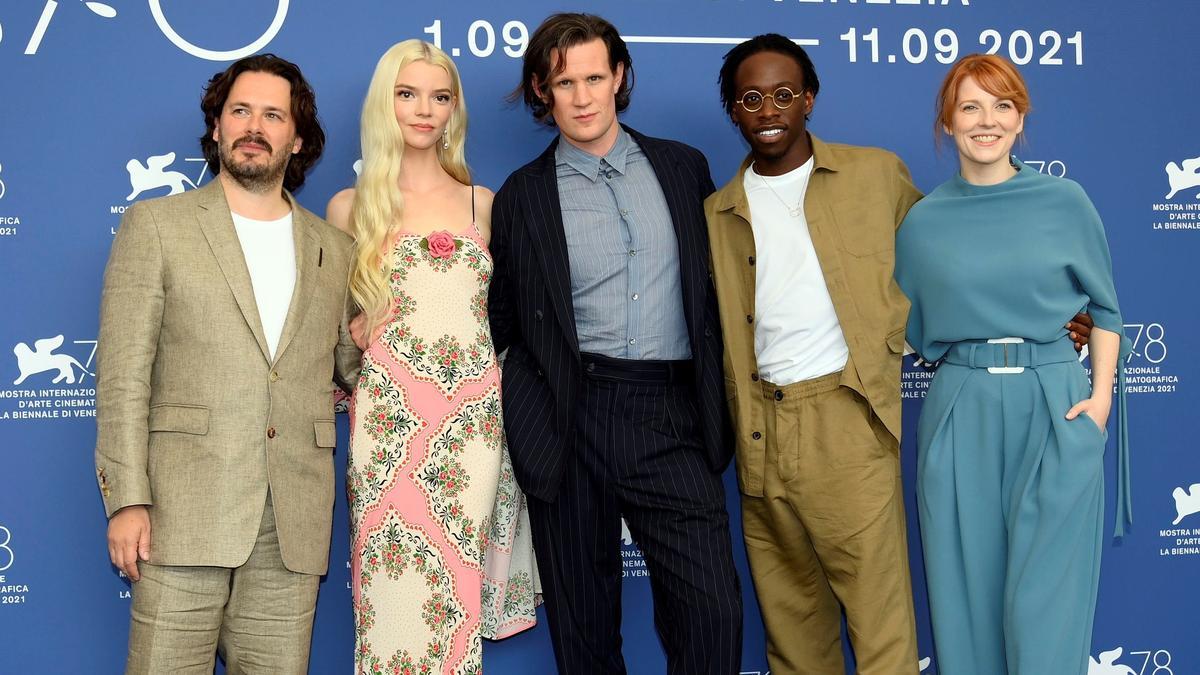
637	371
1011	355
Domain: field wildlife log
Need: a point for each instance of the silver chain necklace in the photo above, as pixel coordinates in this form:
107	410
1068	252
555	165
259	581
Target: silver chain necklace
793	211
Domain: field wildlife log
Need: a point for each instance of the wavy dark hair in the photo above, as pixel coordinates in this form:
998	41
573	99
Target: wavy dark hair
768	42
304	113
561	32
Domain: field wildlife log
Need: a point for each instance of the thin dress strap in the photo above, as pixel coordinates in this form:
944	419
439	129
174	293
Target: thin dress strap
472	203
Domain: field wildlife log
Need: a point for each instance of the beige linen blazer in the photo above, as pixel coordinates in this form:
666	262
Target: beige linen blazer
194	418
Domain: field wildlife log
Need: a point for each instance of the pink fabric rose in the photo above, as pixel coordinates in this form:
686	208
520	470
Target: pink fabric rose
441	244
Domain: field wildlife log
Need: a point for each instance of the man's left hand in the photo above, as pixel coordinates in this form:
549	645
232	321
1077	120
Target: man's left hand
1080	329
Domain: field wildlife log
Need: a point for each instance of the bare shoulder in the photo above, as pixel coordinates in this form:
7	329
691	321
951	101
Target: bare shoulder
338	210
483	211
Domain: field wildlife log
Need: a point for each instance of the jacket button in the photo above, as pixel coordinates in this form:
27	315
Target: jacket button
754	377
756	435
749	318
778	395
750	260
537	314
591	367
541	374
707	332
274	375
270	432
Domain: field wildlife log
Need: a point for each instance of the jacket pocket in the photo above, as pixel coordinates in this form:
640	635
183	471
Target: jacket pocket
866	227
326	433
186	419
895	341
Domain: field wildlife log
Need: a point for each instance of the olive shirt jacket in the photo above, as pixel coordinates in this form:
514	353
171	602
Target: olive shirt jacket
856	199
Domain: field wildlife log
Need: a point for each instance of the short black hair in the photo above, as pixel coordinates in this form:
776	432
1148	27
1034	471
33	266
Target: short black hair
768	42
560	32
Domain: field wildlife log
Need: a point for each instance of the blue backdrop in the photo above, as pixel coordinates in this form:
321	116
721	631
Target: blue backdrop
93	92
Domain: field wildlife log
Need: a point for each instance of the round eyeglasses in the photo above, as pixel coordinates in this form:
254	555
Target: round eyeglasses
782	98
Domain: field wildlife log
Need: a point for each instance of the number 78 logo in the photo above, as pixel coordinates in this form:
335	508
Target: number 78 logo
39	31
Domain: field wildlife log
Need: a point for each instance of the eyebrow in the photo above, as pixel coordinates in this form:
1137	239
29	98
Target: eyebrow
409	86
244	104
786	83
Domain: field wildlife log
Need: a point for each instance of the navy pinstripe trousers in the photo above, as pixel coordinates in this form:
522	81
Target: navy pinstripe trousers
639	456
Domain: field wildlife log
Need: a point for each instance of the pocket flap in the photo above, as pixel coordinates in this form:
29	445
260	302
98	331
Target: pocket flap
187	419
326	433
895	341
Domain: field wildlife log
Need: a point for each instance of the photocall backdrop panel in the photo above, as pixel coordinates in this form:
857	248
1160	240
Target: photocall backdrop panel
100	109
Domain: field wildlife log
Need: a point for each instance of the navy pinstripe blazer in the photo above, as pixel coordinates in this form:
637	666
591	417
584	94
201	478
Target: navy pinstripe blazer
532	316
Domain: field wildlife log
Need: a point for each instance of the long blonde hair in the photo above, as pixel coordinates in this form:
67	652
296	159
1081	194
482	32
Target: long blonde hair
378	208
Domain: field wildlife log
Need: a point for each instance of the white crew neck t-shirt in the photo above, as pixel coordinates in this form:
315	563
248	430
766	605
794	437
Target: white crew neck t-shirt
270	253
797	335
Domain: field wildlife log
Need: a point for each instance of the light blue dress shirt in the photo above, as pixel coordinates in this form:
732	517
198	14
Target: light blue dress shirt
624	256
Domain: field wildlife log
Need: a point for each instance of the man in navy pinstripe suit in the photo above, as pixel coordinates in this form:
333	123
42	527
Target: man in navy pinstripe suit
613	393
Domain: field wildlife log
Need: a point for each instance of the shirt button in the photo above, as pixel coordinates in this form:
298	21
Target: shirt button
632	253
633	341
756	435
635	296
754	377
274	376
778	395
624	212
750	260
749	318
270	432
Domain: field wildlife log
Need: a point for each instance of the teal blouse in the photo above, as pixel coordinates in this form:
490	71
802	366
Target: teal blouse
1016	259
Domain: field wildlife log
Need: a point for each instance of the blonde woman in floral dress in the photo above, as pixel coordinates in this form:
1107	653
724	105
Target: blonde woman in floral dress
440	550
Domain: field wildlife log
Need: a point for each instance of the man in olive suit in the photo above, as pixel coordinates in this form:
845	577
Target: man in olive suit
222	319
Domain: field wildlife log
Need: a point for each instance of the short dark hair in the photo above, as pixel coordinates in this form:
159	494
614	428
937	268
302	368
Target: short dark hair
304	113
769	42
561	32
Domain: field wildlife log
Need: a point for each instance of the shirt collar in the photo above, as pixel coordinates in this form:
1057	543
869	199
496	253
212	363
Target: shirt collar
588	164
732	196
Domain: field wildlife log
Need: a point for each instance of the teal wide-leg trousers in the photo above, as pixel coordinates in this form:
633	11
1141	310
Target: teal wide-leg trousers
1011	500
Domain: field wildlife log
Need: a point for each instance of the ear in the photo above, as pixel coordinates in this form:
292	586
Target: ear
618	77
946	130
537	87
296	145
809	101
1021	123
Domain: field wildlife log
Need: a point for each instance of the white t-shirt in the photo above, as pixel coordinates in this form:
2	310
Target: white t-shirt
797	335
271	258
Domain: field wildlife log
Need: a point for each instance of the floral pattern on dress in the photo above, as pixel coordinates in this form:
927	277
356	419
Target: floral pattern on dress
395	551
443	360
426	454
384	414
476	421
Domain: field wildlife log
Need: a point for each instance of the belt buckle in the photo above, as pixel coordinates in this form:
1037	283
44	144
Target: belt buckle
1006	369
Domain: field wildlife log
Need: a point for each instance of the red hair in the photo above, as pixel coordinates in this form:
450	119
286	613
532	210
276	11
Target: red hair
995	74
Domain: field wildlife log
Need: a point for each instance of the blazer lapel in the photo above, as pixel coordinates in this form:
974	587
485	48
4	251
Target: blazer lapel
217	225
550	241
308	258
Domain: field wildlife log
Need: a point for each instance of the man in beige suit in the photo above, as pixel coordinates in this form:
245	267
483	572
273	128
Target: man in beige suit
222	319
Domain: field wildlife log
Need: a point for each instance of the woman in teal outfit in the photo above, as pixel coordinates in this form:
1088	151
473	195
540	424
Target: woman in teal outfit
1011	439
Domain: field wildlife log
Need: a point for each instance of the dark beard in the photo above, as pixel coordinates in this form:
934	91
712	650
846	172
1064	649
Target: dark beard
256	178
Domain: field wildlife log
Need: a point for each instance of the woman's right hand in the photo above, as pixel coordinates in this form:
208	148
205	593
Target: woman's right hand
358	331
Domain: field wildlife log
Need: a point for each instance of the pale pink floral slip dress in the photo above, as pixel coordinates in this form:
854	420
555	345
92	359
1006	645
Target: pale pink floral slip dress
441	553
